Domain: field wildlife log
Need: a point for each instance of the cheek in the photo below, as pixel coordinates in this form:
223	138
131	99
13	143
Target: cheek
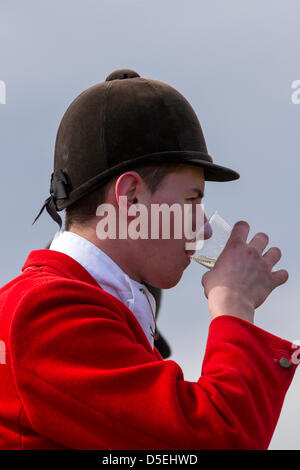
172	256
173	223
164	262
165	253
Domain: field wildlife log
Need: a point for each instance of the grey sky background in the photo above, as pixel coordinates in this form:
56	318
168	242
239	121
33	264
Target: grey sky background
234	61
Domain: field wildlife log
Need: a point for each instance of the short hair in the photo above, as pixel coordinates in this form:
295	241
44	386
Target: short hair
81	211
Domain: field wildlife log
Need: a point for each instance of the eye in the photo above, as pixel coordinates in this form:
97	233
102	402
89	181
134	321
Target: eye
194	199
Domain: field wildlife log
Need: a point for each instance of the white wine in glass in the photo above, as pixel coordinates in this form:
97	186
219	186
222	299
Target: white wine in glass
207	262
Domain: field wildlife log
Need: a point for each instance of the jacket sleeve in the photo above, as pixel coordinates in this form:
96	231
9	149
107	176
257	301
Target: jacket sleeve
86	382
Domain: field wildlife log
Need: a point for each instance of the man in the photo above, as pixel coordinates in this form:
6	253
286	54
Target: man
82	371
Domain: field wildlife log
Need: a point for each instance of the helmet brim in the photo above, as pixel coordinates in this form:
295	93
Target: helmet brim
212	172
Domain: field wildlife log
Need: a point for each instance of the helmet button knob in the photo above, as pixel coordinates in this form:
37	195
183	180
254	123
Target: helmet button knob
120	74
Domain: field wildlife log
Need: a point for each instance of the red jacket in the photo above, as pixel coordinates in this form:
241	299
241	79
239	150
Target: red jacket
79	372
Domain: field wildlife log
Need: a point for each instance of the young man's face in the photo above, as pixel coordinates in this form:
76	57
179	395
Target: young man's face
161	262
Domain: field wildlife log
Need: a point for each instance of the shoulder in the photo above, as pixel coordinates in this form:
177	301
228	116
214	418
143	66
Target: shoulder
48	290
54	309
42	296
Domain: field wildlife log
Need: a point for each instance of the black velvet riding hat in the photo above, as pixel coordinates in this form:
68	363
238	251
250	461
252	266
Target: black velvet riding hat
119	124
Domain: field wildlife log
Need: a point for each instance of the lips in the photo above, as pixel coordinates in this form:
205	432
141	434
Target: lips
190	252
188	260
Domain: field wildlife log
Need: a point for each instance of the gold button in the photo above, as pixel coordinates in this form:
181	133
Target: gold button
285	363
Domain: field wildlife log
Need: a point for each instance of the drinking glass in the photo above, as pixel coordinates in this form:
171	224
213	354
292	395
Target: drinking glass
212	247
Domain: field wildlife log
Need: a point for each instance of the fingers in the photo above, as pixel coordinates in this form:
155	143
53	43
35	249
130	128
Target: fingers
272	256
279	277
259	242
239	232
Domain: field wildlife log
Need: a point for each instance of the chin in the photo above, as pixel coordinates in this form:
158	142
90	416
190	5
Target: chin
171	284
166	282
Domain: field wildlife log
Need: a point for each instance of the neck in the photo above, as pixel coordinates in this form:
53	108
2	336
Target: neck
120	251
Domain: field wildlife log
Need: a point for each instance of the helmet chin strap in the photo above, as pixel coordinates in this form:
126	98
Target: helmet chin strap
58	190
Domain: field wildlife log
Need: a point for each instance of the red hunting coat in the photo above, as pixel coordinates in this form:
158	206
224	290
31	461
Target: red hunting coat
79	372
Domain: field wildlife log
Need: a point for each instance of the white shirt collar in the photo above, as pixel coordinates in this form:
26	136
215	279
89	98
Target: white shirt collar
110	277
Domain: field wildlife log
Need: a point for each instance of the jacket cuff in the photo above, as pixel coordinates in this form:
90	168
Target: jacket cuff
229	328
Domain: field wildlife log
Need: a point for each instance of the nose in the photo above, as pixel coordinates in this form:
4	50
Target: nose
207	228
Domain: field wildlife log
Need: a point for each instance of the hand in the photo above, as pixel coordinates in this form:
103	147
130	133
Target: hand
242	277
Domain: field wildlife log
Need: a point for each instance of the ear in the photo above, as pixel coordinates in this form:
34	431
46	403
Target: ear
127	189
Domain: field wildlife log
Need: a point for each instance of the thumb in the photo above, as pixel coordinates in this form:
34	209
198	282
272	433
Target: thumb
204	278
